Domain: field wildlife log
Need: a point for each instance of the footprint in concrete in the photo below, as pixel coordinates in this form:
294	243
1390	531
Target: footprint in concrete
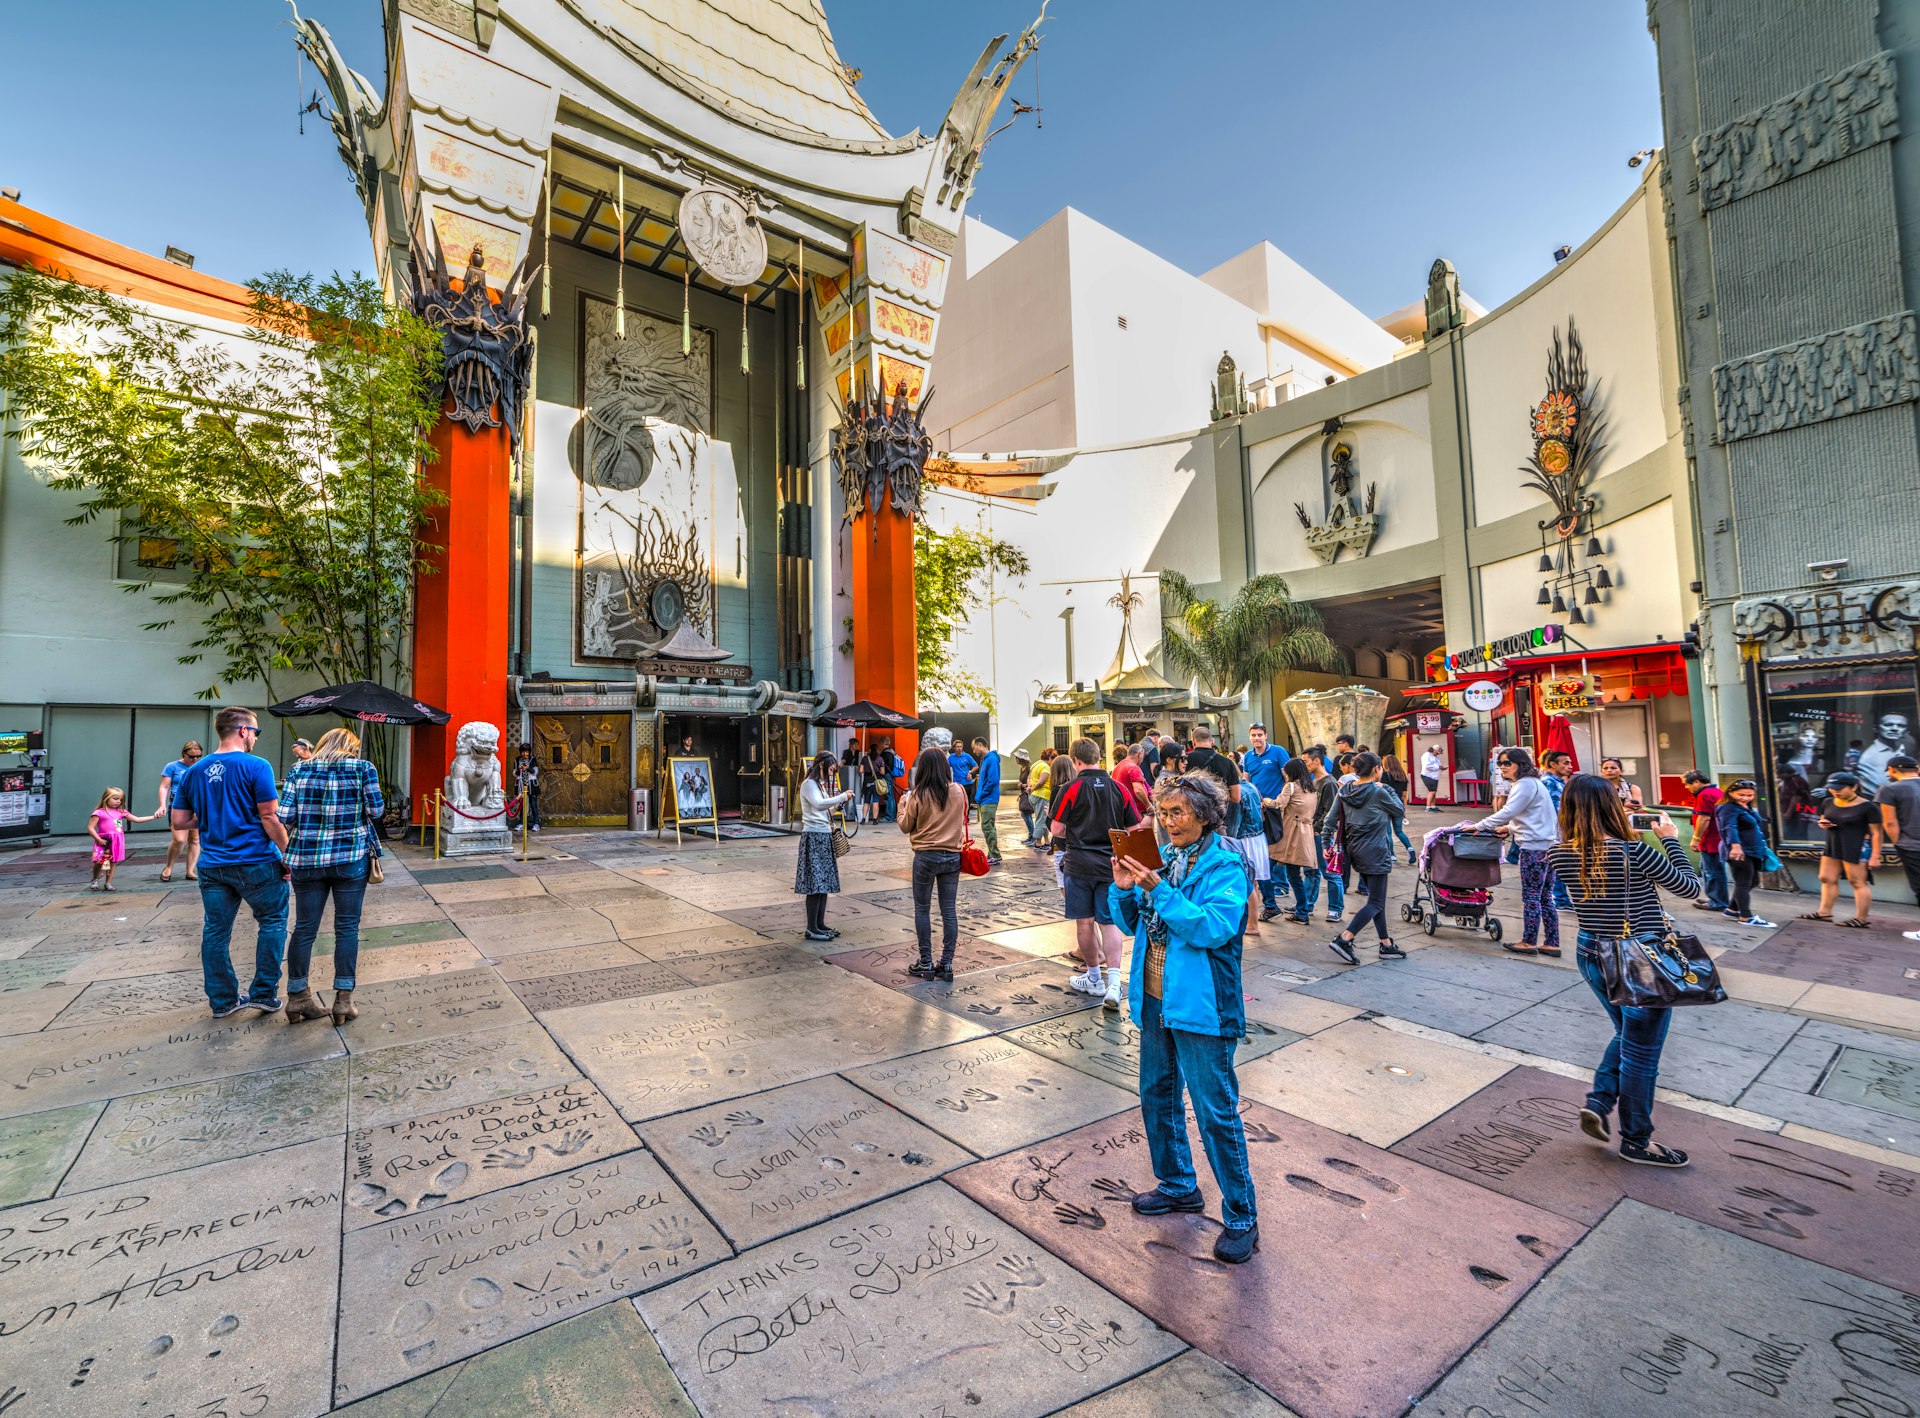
1354	1169
1317	1188
444	1181
1535	1244
1207	1263
832	1164
411	1317
223	1326
1492	1279
160	1346
373	1197
916	1159
480	1294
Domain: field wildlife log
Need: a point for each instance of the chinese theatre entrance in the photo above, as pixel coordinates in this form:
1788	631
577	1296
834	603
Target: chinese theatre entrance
583	768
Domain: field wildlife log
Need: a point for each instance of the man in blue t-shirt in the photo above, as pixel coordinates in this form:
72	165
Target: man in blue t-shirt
1264	767
987	794
230	797
964	766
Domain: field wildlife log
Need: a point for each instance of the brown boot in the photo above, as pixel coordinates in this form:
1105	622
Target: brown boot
304	1005
343	1009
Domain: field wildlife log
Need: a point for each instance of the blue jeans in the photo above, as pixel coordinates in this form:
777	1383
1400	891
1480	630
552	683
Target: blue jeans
1713	872
939	870
222	889
1631	1064
1336	886
1271	888
1026	816
1304	883
346	883
1399	825
1173	1059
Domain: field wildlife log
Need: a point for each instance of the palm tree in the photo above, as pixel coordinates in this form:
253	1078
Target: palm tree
1261	633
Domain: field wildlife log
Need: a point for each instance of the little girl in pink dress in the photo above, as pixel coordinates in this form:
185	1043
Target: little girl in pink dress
108	829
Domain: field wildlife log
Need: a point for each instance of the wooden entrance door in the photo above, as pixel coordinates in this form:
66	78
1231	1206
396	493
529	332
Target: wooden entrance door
584	774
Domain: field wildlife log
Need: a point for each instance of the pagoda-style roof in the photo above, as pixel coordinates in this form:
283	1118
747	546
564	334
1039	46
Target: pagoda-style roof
768	63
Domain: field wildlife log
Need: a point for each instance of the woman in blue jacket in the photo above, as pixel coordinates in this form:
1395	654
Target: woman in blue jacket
1188	922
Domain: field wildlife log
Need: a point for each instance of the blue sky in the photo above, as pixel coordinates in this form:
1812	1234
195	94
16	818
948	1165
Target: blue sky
1363	138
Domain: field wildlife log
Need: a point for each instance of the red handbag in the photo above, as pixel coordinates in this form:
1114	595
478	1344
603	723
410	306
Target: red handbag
973	861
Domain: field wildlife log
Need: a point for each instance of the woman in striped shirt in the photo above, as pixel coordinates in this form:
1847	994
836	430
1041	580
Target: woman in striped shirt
1611	877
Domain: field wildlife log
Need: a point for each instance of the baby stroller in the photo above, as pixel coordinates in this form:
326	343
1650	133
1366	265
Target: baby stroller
1457	872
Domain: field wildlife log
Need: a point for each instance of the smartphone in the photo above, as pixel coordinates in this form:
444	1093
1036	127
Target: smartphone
1643	821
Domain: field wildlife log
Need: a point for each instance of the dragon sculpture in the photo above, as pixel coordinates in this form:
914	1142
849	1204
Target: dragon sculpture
488	357
880	456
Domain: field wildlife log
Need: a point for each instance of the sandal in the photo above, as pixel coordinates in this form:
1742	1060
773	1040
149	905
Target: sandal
167	874
1814	916
1855	923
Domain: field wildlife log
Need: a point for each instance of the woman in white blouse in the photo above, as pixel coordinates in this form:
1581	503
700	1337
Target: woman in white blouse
817	875
1529	817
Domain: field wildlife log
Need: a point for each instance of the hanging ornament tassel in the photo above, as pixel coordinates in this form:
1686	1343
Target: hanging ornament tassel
620	257
546	249
800	345
744	368
686	309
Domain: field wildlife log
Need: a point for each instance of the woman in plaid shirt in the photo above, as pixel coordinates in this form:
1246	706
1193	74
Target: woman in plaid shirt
329	807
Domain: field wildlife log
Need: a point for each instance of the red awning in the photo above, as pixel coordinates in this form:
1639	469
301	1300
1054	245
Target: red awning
1570	656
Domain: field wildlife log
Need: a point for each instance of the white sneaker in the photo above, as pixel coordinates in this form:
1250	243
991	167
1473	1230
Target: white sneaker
1091	983
1911	935
1116	990
1764	925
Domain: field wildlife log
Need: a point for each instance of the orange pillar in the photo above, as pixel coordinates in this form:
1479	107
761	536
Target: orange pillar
885	649
461	607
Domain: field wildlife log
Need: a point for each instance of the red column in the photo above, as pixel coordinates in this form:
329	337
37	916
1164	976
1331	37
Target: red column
461	606
885	649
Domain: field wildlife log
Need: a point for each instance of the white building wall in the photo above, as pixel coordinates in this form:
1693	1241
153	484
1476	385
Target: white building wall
1392	443
1643	606
1608	289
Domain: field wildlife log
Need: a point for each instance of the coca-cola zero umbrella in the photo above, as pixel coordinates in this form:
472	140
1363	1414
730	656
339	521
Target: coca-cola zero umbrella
363	700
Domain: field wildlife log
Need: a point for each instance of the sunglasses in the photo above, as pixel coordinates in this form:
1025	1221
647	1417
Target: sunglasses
253	729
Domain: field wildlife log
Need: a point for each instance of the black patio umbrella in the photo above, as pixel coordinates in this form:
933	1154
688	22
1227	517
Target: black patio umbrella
363	700
865	714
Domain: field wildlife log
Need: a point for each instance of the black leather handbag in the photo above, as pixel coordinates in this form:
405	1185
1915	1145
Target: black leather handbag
1657	969
1477	847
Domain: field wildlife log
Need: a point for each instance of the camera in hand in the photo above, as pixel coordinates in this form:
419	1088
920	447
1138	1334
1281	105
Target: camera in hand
1643	821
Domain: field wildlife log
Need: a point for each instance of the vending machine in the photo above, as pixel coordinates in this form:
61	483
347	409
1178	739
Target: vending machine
25	782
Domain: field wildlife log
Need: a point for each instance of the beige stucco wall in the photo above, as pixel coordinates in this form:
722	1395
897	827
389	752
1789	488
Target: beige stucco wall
1643	606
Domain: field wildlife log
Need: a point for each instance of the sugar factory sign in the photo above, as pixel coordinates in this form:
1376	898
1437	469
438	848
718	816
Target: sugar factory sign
1495	650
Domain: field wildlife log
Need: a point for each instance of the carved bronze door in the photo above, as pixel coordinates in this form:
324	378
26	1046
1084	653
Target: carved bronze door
583	768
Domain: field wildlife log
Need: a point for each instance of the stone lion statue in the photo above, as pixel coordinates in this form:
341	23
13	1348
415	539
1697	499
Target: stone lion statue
473	778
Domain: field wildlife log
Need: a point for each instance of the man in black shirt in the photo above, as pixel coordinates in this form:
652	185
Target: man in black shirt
1208	759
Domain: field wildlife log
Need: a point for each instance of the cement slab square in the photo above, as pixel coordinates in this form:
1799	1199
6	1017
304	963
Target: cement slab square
172	1295
100	1061
1580	1032
380	937
790	913
794	1156
1498	972
36	972
1789	1088
36	1150
1193	1383
1319	1316
679	945
1361	1078
1824	953
1459	1009
505	888
1735	1330
136	996
923	1303
1881	1081
172	1129
1105	1044
450	1282
724	966
601	1364
430	1007
1861	1007
990	1095
662	1053
406	1167
887	964
607	955
1007	996
644	920
441	957
577	987
1521	1136
1051	938
546	930
433	1075
28	1011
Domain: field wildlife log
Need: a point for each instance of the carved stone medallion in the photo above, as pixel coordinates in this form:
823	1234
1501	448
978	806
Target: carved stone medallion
723	234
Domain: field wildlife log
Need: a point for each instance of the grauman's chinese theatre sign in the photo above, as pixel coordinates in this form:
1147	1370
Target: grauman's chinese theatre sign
1830	624
1524	643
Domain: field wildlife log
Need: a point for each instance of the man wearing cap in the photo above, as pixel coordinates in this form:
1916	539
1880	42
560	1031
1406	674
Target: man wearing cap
1265	766
1899	800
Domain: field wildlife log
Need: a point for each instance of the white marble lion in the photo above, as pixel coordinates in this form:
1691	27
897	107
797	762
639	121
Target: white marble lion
473	778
